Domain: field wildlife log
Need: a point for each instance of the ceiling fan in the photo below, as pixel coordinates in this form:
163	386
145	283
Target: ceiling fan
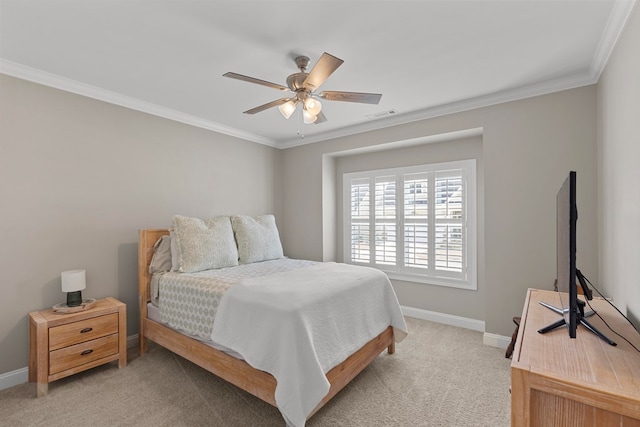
302	86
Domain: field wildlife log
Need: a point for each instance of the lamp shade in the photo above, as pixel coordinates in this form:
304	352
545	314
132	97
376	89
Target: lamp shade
73	280
308	118
287	108
313	106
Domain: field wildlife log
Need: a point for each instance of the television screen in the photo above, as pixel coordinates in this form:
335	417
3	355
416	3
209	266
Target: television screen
572	310
566	218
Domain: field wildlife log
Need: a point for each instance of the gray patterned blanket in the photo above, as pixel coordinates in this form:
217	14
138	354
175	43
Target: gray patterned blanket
188	302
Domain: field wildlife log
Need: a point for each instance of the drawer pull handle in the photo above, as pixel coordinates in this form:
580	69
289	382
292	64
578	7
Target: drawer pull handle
84	353
86	330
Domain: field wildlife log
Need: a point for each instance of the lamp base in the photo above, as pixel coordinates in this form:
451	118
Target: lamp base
74	298
63	308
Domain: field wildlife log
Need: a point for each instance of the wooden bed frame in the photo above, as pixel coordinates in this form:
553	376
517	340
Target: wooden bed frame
259	383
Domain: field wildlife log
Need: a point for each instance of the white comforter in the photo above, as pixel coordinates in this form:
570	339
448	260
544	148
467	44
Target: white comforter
299	324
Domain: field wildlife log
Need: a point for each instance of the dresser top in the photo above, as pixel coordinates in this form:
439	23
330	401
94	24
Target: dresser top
586	362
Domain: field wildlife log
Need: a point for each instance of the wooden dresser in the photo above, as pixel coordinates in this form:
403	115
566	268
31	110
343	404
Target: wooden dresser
559	381
65	344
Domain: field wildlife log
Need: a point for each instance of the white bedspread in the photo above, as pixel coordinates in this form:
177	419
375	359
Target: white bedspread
299	324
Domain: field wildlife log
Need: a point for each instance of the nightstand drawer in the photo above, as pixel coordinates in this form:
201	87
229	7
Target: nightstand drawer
79	354
84	330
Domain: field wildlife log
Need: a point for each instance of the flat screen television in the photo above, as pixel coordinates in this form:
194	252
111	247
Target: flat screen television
566	221
568	276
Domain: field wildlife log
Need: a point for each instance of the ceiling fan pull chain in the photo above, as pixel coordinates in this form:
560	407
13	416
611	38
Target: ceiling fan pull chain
300	134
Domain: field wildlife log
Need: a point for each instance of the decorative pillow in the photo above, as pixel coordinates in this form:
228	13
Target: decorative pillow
204	244
161	260
174	252
257	238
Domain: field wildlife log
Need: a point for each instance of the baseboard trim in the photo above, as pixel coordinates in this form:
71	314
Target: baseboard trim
447	319
493	340
488	339
132	341
9	379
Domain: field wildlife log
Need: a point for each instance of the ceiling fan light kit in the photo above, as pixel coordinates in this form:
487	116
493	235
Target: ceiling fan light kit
302	85
307	117
312	106
288	108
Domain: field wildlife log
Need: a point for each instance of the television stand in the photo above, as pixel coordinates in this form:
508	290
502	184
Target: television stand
581	318
560	383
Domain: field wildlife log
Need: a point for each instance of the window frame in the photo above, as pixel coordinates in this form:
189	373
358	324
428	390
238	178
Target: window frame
467	279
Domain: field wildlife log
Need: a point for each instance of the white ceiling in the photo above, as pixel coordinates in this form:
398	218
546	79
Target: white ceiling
426	57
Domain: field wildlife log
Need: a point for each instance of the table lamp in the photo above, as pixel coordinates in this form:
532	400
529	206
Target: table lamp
73	282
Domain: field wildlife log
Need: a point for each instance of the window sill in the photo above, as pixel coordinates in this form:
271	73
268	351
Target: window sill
436	281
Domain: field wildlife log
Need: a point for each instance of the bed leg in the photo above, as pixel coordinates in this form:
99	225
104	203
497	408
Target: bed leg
142	345
392	348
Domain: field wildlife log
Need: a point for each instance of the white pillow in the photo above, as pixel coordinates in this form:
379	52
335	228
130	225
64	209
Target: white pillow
257	238
204	244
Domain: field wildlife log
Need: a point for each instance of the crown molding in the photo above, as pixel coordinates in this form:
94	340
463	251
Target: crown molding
41	77
488	100
615	25
52	80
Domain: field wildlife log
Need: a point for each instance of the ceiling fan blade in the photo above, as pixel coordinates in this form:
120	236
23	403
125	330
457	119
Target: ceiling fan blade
254	80
364	98
267	106
320	118
325	66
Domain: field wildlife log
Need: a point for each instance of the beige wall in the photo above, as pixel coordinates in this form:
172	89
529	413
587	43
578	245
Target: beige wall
619	172
79	177
528	148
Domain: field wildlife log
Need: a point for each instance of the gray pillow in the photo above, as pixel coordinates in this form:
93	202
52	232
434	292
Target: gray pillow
204	244
257	238
161	260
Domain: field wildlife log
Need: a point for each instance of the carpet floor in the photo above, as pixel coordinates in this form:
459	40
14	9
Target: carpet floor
439	376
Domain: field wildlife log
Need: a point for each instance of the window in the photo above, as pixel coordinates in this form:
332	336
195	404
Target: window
415	223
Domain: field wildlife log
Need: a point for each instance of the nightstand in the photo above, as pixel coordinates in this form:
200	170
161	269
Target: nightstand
65	344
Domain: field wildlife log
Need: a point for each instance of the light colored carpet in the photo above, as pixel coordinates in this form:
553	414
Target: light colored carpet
440	376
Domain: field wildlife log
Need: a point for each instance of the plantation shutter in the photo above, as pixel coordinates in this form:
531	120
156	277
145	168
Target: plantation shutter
413	222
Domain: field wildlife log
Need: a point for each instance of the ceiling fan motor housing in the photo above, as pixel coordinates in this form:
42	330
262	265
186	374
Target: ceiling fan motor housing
296	81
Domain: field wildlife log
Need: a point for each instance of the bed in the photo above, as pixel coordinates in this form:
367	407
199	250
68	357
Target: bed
230	367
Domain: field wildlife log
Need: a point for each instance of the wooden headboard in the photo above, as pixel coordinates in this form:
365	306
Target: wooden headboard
148	238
